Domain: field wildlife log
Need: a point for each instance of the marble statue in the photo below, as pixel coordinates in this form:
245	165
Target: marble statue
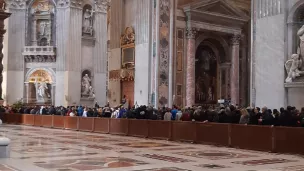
91	92
42	28
293	66
86	84
88	22
42	93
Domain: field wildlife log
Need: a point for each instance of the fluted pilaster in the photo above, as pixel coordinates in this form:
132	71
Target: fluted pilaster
235	75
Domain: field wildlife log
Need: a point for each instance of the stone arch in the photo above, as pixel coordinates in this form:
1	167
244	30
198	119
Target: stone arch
50	71
219	39
294	11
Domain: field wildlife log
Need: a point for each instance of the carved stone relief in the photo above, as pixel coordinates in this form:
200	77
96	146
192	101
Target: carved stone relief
16	4
128	37
102	5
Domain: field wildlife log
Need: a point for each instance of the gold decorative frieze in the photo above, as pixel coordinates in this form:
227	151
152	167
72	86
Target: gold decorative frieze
128	38
122	75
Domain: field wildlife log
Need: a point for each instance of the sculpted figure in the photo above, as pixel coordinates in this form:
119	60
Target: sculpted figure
86	84
42	28
88	21
129	36
301	46
293	66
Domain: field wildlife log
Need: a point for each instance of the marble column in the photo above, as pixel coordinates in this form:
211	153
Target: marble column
190	69
34	34
3	16
27	92
234	84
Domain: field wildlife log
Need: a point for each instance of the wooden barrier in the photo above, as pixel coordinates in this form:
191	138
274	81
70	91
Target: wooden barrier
265	138
159	129
183	131
251	137
71	123
47	121
58	122
38	120
213	133
119	126
289	140
138	128
102	125
28	119
86	124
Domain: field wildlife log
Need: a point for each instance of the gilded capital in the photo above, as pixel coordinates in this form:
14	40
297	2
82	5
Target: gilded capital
16	4
191	33
235	39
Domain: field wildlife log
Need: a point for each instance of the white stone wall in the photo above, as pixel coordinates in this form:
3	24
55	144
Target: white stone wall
269	66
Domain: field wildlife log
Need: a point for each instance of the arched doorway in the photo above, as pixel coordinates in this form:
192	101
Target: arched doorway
209	55
39	89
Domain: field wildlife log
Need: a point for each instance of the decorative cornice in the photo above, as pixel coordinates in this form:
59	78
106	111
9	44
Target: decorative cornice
16	4
191	33
235	39
63	3
102	5
76	3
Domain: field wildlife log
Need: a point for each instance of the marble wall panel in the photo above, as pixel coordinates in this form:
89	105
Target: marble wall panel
269	62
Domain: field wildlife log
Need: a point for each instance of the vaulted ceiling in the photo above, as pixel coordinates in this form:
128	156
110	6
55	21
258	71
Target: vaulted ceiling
244	5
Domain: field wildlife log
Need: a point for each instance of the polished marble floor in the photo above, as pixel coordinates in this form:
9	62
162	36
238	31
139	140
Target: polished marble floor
41	149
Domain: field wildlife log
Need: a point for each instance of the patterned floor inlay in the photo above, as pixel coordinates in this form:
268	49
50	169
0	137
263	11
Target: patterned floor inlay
292	168
174	149
89	163
165	169
212	166
165	158
143	144
56	155
99	147
66	150
214	155
263	162
7	168
43	150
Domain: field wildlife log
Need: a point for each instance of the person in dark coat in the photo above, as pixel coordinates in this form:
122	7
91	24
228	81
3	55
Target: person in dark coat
267	118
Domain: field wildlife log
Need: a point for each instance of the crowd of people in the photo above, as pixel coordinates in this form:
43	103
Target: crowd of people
289	116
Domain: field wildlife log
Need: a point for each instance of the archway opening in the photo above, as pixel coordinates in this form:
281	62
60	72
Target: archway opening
39	87
209	55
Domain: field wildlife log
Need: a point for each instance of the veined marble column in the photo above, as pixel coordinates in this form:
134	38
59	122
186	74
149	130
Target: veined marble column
190	69
3	16
235	75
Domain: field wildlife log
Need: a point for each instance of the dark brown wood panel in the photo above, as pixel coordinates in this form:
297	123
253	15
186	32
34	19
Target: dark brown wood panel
159	129
101	125
119	126
212	133
184	131
251	137
289	140
86	124
38	120
28	119
47	121
71	122
138	128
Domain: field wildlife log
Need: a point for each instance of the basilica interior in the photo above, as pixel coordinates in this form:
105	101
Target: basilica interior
151	85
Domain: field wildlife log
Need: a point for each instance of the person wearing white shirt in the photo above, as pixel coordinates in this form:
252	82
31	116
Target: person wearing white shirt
85	112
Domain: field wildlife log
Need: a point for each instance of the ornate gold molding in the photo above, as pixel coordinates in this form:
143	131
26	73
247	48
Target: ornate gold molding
128	38
122	75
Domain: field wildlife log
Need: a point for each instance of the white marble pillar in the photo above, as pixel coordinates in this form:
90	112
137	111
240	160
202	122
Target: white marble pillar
27	92
234	85
244	72
53	93
34	33
190	69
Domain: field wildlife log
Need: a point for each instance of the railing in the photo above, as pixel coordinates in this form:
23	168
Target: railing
39	54
264	138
